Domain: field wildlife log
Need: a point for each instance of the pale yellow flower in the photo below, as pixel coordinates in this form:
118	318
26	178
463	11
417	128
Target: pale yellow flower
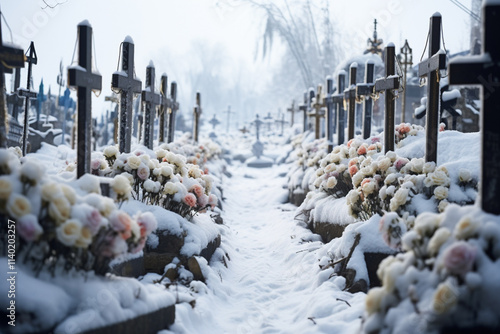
18	206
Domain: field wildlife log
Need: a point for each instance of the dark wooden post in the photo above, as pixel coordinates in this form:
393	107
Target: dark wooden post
350	97
172	111
15	99
82	78
291	110
338	99
387	85
196	117
125	84
164	105
430	69
317	104
329	120
406	60
364	91
28	94
150	100
303	108
484	70
10	57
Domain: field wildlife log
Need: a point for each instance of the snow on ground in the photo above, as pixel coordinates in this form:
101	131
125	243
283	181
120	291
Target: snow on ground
273	283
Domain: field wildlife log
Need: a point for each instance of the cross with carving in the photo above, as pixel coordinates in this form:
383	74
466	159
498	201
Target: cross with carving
10	57
318	104
364	91
150	100
123	82
164	105
484	70
429	68
350	97
196	117
387	84
174	106
291	110
338	99
28	94
84	80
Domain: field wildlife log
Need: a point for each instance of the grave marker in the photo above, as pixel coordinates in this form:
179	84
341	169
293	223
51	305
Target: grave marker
214	122
317	104
430	68
196	117
28	94
172	111
228	112
303	108
330	122
14	99
350	97
291	110
484	70
268	119
164	105
281	122
150	100
387	85
338	99
124	82
82	78
364	91
405	59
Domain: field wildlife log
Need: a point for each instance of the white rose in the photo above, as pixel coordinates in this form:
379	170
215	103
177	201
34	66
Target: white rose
445	298
464	175
129	177
374	299
384	163
69	232
467	227
438	239
170	188
391	155
441	193
18	206
121	186
59	209
353	152
331	183
382	193
429	167
50	191
5	187
357	178
352	197
417	165
426	223
442	205
133	162
149	186
438	178
85	238
69	193
160	154
399	199
368	188
167	171
390	179
111	151
31	171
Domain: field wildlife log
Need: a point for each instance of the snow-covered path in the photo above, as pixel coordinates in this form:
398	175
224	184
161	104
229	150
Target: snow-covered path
272	284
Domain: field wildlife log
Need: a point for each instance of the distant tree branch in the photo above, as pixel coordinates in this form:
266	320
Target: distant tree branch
52	6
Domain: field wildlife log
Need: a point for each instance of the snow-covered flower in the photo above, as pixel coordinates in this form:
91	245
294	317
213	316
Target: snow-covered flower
438	239
143	172
417	165
95	164
426	223
441	192
89	216
28	227
374	299
213	200
197	190
429	167
69	193
85	238
50	191
443	205
392	228
90	184
5	187
167	171
121	186
170	188
133	162
129	177
437	178
467	227
445	298
18	206
384	163
391	155
399	199
352	197
111	152
121	223
190	200
31	172
151	186
69	232
203	200
400	163
368	186
59	209
459	258
147	223
353	170
464	175
331	183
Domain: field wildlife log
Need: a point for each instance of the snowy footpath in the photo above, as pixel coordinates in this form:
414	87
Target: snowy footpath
272	283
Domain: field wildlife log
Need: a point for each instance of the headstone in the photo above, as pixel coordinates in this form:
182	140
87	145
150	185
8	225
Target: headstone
484	70
14	99
150	100
164	105
228	112
82	78
387	85
291	110
28	94
364	91
258	149
430	68
406	60
338	99
350	97
10	57
172	111
196	117
329	120
318	104
123	82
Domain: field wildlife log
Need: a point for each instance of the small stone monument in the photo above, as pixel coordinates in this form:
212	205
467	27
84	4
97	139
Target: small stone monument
258	161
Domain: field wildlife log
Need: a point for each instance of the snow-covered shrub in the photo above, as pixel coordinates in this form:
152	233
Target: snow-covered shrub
447	278
67	224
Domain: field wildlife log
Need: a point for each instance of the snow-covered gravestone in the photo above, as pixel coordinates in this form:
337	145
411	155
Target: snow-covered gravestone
164	105
84	80
387	85
258	149
123	82
291	110
338	99
150	100
318	104
174	106
484	70
350	97
10	57
364	91
28	94
196	117
430	68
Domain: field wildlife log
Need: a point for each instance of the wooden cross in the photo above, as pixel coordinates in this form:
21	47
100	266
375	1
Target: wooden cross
82	78
350	97
244	130
281	122
14	99
174	106
329	113
214	121
387	85
364	91
228	112
150	100
484	70
196	117
318	104
405	59
123	82
10	57
303	108
291	110
430	68
32	59
268	120
164	105
338	99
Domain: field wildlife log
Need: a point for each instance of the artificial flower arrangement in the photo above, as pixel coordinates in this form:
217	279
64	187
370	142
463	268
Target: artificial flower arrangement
65	224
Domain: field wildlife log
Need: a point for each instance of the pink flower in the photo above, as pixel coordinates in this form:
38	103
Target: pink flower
93	221
203	200
147	223
353	170
197	190
121	223
441	127
28	227
362	150
459	258
213	201
353	162
372	147
375	140
400	163
143	172
404	128
95	164
349	143
190	200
